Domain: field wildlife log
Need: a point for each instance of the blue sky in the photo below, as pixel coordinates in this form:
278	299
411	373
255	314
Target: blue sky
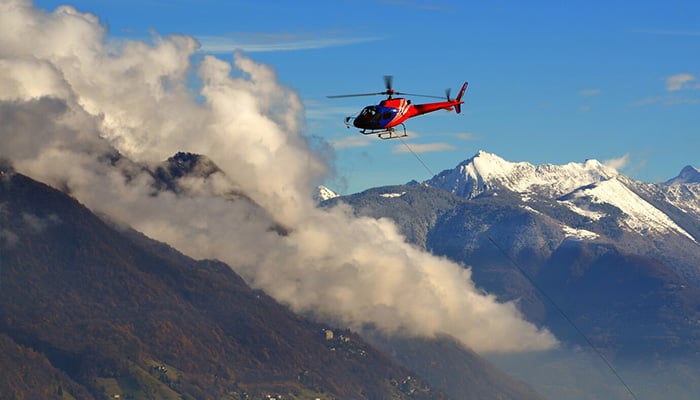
549	82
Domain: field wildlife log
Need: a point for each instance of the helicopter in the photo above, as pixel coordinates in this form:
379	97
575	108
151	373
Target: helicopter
383	119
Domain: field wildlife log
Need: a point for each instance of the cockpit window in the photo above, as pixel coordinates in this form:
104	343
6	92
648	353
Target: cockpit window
368	112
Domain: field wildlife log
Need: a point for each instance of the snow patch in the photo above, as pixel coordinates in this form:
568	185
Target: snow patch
530	209
392	195
323	193
685	197
593	215
579	234
641	216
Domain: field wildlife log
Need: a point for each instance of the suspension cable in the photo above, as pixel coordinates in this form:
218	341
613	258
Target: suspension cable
417	157
532	282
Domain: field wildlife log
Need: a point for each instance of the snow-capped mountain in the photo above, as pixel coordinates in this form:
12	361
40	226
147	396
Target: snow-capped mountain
484	171
583	188
689	174
586	233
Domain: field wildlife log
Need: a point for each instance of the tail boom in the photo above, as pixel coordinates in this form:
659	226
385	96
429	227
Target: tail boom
450	104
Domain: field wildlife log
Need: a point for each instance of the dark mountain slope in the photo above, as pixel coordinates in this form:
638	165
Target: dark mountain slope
629	304
103	314
27	374
462	373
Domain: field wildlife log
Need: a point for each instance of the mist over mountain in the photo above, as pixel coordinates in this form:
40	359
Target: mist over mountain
618	257
88	311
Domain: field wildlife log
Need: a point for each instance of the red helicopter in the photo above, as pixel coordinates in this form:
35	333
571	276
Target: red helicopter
383	118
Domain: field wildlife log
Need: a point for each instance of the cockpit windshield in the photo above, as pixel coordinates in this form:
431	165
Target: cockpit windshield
368	112
375	117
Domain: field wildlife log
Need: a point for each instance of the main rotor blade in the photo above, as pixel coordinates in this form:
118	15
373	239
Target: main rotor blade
387	82
384	94
356	95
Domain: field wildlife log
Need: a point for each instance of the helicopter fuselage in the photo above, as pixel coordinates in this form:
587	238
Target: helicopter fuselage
392	112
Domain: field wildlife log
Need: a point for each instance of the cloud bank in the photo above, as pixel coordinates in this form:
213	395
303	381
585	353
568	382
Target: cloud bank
84	114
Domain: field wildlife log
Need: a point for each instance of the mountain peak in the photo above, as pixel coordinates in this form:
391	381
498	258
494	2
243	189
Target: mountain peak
183	163
688	174
190	172
488	164
485	171
323	193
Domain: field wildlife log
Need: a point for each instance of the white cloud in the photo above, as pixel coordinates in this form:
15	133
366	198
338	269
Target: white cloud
260	42
423	148
465	136
135	99
350	141
321	111
618	163
683	81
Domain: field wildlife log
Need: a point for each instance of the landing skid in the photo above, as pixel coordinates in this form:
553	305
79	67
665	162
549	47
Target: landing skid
385	134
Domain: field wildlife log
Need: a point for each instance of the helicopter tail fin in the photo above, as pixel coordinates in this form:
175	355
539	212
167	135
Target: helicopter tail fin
458	106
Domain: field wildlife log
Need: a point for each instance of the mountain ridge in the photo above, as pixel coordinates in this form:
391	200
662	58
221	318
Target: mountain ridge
573	183
474	175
